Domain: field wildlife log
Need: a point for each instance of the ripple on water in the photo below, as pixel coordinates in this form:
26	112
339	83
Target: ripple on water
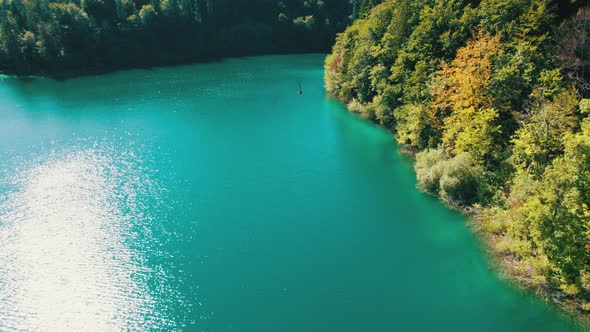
70	251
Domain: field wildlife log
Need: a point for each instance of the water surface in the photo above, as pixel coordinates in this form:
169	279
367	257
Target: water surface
214	197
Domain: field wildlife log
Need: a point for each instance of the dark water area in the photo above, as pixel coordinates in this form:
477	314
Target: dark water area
215	197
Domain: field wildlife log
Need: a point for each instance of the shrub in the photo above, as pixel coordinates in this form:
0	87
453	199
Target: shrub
429	169
460	179
456	180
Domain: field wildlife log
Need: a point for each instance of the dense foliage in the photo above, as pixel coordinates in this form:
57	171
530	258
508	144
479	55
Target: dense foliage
490	95
55	35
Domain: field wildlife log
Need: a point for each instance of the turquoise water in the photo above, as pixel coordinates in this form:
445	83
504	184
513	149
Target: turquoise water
214	197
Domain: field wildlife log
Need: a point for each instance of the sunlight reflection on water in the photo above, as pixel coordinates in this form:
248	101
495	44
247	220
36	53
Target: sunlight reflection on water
70	250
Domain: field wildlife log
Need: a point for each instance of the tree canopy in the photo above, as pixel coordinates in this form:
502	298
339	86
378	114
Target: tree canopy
52	36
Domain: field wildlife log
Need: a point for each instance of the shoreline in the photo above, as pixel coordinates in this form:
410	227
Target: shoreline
99	69
500	262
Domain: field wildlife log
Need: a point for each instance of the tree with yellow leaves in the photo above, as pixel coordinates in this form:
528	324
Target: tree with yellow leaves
462	97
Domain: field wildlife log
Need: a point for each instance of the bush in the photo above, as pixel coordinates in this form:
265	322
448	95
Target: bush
460	179
493	220
355	106
429	169
456	180
515	247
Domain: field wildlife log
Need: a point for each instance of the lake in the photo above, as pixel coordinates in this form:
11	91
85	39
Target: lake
215	197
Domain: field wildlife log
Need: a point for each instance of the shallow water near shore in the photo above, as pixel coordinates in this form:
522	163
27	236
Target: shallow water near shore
215	197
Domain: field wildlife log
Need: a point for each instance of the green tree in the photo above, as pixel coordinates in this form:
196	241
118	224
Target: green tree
539	140
559	216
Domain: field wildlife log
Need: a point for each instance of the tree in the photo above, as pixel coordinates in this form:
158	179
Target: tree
471	122
559	216
574	50
77	35
539	140
413	126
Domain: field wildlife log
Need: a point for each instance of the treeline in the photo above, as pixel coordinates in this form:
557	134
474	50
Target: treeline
52	36
490	96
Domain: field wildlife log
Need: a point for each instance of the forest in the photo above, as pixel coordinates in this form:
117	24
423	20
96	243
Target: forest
491	97
57	36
